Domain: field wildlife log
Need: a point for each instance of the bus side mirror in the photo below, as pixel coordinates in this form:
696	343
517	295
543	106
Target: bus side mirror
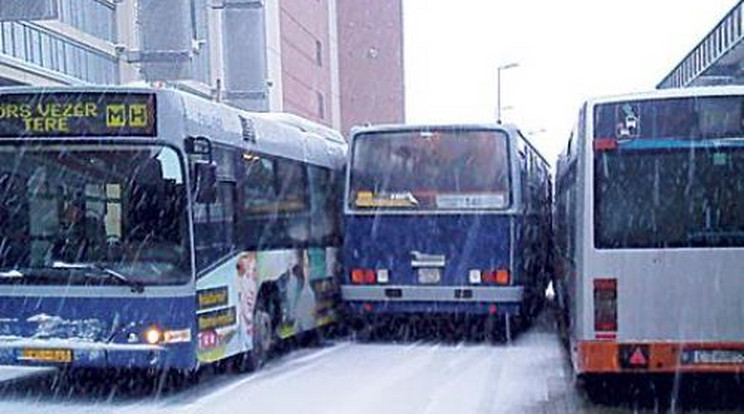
205	187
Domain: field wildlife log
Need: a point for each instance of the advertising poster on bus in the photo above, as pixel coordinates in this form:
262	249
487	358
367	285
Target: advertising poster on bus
228	295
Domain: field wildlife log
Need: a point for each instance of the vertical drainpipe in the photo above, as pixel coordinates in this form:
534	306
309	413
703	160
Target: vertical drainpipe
335	103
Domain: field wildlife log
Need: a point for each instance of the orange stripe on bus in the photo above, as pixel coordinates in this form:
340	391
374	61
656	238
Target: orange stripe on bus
664	357
597	357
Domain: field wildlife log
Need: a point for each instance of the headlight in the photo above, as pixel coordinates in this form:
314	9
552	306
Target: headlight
153	335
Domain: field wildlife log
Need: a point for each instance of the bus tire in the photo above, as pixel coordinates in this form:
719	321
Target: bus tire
597	388
363	330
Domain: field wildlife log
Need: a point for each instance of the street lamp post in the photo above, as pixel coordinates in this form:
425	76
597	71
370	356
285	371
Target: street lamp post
498	87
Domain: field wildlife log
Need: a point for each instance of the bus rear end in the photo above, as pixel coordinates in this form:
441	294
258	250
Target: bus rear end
429	224
95	264
662	275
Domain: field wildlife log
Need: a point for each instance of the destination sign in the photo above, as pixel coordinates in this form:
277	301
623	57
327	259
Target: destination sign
77	114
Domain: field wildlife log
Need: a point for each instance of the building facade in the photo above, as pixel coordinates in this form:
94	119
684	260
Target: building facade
298	56
370	42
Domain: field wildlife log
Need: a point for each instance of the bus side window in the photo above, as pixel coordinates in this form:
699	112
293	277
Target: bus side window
274	209
324	213
293	222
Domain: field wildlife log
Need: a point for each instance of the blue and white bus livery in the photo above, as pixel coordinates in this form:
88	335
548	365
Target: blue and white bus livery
149	228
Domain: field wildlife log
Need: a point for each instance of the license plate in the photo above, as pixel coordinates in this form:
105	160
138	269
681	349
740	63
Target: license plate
717	356
429	276
46	355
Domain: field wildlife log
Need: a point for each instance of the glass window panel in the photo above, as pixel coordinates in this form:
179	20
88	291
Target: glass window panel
61	57
46	51
70	60
7	29
19	41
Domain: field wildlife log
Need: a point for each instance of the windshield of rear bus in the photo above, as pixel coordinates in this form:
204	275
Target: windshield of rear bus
677	178
66	212
430	170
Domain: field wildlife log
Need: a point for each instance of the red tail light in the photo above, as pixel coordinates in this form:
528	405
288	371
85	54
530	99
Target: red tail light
363	277
357	276
605	144
605	305
370	277
499	277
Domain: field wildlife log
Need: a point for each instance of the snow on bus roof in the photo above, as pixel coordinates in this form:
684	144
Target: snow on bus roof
277	134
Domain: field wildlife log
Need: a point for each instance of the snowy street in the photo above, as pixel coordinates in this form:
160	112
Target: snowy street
530	375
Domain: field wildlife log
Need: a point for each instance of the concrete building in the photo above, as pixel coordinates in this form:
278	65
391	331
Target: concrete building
370	37
338	62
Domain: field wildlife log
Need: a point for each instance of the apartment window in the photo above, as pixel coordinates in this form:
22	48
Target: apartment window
45	50
318	53
7	46
321	105
200	28
94	17
19	42
58	53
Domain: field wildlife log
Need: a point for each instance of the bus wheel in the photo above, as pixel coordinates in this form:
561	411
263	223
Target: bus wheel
597	388
363	331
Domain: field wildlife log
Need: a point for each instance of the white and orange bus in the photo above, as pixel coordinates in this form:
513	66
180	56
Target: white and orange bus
649	233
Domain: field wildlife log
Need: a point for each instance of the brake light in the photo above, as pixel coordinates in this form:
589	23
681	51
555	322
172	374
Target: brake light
369	277
605	305
363	276
499	277
605	144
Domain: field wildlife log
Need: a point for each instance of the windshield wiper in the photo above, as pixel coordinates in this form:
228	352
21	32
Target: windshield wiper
136	287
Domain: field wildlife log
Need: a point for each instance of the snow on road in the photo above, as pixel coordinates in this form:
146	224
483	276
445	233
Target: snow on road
349	377
10	374
531	375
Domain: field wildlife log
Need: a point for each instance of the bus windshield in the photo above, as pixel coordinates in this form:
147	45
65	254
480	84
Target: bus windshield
79	214
677	181
430	170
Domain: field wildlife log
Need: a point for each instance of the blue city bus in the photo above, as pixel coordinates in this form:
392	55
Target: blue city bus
150	228
445	220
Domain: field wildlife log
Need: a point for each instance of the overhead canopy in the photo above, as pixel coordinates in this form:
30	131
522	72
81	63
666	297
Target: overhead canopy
717	60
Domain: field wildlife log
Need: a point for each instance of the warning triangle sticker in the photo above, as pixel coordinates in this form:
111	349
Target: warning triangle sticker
638	358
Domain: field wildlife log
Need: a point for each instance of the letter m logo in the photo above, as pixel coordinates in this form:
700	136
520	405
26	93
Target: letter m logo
116	116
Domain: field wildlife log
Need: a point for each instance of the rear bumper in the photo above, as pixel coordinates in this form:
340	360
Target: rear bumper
595	357
458	294
433	299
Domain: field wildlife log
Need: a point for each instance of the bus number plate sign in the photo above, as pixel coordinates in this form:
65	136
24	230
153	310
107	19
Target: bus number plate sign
78	114
429	276
714	356
46	355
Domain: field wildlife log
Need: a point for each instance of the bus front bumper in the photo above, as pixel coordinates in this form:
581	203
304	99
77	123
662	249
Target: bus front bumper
80	354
